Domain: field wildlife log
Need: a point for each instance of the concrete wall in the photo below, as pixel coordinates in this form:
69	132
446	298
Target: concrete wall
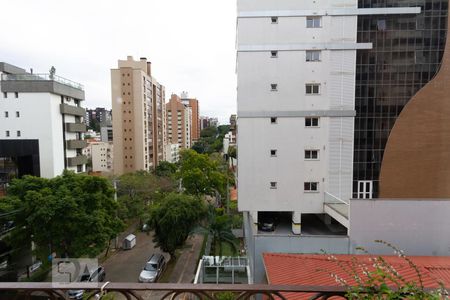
419	227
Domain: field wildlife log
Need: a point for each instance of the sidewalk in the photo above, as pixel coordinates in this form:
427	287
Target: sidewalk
184	271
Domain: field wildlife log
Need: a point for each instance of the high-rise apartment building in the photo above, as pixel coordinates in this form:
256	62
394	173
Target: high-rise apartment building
41	121
99	115
195	123
138	117
179	122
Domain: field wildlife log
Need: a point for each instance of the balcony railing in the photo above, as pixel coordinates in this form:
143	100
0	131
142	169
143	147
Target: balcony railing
42	77
21	290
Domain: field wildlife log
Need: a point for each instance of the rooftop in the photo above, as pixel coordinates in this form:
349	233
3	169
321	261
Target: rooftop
42	77
316	270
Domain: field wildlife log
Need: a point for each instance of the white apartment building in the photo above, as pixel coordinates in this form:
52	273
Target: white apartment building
101	155
41	121
173	153
296	89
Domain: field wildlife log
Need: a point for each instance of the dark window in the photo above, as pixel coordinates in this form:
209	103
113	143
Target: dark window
311	154
6	114
313	22
312	88
273	185
273	86
273	53
16	94
311	186
273	120
313	55
273	152
311	122
274	20
17	114
7	133
5	95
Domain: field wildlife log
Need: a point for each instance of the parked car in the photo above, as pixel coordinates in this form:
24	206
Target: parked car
153	268
267	225
98	275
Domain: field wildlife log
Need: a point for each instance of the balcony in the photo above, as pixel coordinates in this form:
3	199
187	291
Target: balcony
22	290
77	160
76	144
72	110
75	127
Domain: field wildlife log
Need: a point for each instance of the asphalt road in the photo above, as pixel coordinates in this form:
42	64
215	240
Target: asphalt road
125	265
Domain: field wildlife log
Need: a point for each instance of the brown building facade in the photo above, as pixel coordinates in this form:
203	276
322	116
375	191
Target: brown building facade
179	118
195	125
138	117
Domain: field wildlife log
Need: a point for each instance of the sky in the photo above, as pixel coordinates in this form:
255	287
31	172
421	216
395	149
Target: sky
191	44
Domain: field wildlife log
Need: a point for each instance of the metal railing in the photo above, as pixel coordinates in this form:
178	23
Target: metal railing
20	290
42	77
332	199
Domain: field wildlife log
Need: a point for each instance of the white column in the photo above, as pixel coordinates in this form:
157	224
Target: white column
296	222
254	220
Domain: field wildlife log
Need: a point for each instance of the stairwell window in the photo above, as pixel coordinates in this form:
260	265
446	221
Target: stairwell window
6	114
273	54
273	152
273	120
312	122
313	22
273	87
18	133
17	114
313	55
312	88
274	20
273	185
311	187
7	133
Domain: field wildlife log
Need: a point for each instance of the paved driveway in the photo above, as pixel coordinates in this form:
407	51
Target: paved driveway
125	265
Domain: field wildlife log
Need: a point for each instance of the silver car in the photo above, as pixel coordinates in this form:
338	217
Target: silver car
153	268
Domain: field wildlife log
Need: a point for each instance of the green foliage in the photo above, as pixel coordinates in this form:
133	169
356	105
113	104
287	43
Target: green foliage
218	226
211	139
380	280
223	129
209	132
225	296
165	169
201	175
173	218
232	152
73	215
137	191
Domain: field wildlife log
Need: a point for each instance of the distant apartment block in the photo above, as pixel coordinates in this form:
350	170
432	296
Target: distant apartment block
138	116
41	124
100	115
195	123
106	133
172	153
207	122
179	122
100	154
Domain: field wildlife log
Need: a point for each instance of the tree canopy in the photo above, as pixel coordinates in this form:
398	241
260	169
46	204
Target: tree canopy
71	215
200	174
173	218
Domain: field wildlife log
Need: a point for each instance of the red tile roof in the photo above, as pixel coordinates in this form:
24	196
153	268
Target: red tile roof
305	269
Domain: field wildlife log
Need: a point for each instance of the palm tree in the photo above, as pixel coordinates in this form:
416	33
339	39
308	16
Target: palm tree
219	228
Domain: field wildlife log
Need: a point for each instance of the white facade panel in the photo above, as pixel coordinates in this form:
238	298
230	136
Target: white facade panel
251	5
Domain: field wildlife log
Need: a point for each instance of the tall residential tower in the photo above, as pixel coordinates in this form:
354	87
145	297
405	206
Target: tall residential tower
138	117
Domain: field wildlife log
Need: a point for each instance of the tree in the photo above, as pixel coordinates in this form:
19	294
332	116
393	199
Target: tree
201	175
72	215
135	192
219	228
232	152
165	169
173	218
209	132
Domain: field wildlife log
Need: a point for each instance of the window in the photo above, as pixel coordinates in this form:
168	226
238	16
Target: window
311	186
17	114
273	54
312	154
5	95
273	152
16	94
7	133
273	86
273	185
311	122
6	114
18	133
274	20
312	88
313	22
273	120
313	55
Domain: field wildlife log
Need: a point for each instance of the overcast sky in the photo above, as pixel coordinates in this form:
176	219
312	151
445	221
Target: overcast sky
191	44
